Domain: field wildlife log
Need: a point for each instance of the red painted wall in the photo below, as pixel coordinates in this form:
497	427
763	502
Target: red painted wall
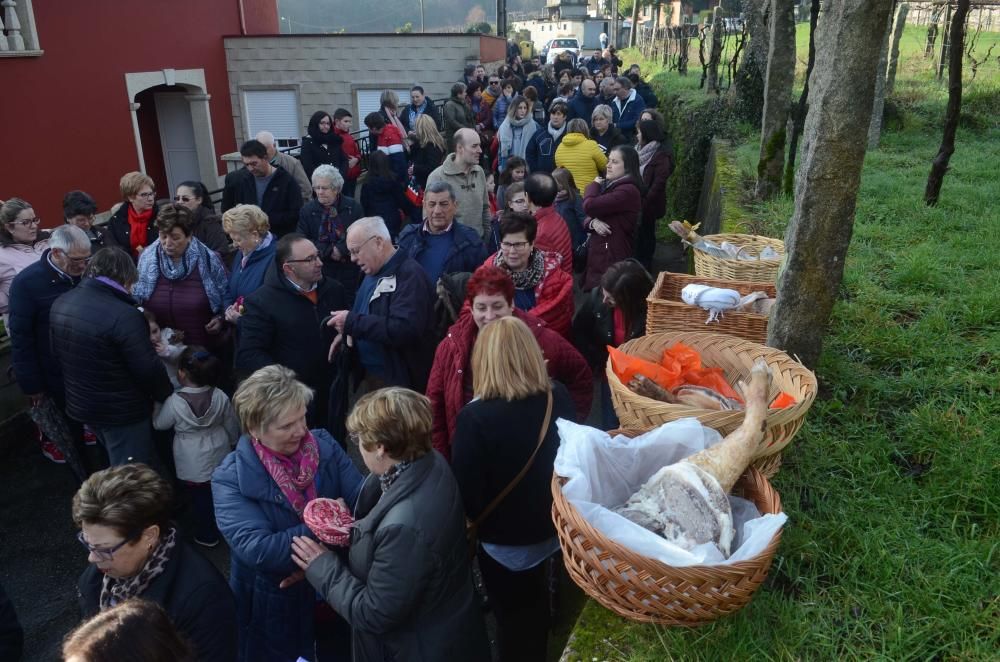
70	127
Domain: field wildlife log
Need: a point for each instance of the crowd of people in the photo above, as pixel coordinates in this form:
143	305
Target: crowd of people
414	306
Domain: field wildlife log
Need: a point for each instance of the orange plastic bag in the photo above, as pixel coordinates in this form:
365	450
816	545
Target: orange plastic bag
782	400
627	367
712	378
683	362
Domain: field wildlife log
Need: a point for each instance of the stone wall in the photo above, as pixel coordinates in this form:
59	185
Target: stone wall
326	71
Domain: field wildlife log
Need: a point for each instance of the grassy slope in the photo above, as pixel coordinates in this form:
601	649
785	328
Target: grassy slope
893	546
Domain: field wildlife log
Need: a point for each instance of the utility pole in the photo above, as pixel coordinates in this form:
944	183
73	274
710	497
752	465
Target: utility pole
501	18
421	15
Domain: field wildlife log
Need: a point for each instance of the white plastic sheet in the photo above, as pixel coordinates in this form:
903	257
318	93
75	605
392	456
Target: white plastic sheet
603	472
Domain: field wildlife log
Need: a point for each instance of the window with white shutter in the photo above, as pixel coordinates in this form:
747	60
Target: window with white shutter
276	111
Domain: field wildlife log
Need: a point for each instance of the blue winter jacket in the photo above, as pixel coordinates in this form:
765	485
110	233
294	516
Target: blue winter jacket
467	252
628	115
244	281
541	150
258	524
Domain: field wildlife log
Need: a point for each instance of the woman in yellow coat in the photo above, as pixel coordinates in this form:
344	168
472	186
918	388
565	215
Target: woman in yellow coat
579	154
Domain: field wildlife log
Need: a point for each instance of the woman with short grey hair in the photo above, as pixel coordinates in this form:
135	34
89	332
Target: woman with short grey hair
324	220
604	132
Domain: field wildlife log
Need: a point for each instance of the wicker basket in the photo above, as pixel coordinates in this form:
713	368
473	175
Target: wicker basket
761	271
666	311
736	358
644	589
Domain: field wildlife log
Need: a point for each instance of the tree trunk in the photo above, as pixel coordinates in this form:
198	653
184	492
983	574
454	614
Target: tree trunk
715	51
777	98
799	114
635	24
841	92
898	23
956	50
878	105
748	84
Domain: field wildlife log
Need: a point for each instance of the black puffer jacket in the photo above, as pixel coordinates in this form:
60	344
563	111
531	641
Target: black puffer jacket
281	325
406	588
117	232
192	592
111	373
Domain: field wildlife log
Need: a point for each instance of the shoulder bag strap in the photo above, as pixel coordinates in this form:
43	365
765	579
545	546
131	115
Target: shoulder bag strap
531	460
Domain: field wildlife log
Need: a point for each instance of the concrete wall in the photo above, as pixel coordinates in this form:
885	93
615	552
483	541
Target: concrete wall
327	70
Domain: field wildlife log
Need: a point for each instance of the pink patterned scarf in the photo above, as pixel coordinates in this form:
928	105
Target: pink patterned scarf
294	474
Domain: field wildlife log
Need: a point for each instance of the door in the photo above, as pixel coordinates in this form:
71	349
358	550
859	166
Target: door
180	152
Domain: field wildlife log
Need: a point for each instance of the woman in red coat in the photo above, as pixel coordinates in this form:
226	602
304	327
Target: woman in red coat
541	286
490	296
613	205
656	164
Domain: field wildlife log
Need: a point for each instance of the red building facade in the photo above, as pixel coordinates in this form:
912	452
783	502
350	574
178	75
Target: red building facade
97	89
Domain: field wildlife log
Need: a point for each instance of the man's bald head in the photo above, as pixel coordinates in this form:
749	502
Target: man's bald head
468	148
266	138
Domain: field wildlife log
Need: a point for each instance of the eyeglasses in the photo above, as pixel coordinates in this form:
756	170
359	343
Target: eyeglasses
356	251
494	82
312	258
147	194
25	222
77	260
103	553
514	245
182	198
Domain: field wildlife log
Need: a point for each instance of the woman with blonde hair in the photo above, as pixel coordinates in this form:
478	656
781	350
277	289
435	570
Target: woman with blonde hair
250	232
580	154
132	226
260	492
503	450
405	585
427	152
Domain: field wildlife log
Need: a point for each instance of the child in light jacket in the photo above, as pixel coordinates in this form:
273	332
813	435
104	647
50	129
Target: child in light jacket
205	430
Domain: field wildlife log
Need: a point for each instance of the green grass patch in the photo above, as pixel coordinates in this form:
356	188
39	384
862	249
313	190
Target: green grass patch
892	550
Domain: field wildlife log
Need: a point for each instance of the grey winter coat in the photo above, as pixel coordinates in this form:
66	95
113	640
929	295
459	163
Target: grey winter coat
407	588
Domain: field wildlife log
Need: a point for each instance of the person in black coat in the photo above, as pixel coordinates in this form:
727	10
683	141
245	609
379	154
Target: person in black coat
382	194
322	145
420	104
511	424
405	585
79	210
656	163
391	322
282	322
32	294
272	189
136	552
324	221
604	132
427	151
132	226
111	372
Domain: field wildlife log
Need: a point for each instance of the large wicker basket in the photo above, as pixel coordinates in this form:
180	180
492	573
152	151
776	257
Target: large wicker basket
644	589
762	271
736	358
666	311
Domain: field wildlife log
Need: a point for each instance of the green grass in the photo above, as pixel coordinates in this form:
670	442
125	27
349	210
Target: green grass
892	550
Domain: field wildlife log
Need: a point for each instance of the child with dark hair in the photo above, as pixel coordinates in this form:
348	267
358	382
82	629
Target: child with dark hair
205	430
168	343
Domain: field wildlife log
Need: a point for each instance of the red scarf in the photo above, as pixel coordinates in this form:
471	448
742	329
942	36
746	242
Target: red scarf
138	223
295	474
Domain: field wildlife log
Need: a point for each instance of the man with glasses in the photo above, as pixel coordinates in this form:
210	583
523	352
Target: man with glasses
282	320
492	91
391	322
32	294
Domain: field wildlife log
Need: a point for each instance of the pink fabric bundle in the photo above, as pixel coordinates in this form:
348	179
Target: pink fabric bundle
329	520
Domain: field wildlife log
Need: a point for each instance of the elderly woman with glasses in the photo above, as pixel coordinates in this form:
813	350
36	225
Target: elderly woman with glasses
325	219
132	226
21	245
405	585
260	492
541	286
182	281
135	551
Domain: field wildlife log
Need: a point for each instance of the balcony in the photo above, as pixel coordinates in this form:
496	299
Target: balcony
18	35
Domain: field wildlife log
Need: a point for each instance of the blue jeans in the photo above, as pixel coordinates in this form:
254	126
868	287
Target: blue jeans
132	442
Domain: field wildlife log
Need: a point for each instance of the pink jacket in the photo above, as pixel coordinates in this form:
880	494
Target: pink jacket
13	260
